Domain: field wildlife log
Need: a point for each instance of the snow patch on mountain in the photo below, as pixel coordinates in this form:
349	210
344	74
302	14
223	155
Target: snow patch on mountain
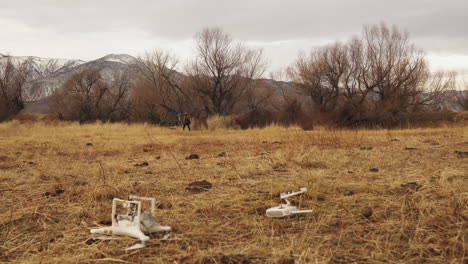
122	58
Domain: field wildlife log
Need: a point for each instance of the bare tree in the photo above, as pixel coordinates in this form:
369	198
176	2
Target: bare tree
116	100
319	76
86	97
224	70
86	89
379	76
332	78
13	78
160	91
290	107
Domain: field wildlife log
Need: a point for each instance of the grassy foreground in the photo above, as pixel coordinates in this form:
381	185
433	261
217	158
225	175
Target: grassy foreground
54	187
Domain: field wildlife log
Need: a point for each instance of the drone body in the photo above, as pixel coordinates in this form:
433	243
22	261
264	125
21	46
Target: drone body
286	209
134	223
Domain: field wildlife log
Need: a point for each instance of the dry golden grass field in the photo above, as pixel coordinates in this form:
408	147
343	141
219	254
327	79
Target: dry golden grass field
55	187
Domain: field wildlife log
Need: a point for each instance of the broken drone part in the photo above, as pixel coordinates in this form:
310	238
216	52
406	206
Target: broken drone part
286	209
134	223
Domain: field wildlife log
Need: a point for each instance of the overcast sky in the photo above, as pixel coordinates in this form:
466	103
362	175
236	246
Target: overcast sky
88	29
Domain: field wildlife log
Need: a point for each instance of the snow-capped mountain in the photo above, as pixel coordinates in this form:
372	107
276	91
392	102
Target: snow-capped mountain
48	75
43	67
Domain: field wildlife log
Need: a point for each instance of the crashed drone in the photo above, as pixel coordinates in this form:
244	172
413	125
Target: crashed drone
133	223
286	209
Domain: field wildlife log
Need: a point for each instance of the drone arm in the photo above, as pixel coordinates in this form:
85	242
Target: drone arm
301	211
287	195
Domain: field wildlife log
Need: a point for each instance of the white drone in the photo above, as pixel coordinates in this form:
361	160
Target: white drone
285	210
134	223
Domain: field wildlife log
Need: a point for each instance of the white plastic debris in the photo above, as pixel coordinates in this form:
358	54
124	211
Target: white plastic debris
134	223
286	209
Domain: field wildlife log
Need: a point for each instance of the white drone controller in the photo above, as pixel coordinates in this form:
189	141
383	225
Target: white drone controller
285	210
134	223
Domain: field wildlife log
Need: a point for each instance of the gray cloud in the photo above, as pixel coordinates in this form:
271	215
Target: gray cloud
437	26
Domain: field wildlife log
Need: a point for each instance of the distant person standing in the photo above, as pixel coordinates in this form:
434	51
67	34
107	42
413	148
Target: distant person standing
186	122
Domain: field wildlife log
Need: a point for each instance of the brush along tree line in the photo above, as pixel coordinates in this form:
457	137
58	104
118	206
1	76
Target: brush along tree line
376	78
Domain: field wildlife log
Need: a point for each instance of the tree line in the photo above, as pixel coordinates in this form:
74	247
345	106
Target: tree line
376	78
